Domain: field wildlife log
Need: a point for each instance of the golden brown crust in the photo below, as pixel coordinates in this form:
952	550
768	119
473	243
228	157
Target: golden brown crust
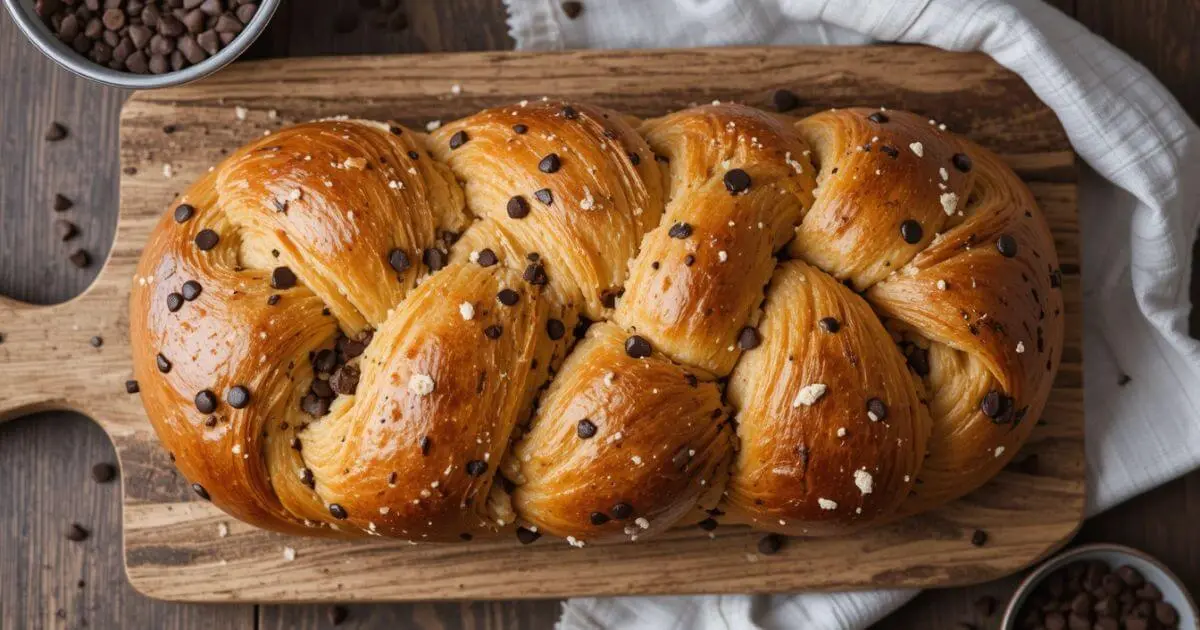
433	282
654	437
992	323
832	430
700	274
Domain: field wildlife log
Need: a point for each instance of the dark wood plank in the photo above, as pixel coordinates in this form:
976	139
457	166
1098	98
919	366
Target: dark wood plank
52	582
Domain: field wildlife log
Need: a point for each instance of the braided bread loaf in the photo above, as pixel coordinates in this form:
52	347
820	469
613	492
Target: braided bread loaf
555	319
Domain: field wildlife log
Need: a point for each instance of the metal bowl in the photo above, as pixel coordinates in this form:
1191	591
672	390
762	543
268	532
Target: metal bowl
1154	571
31	25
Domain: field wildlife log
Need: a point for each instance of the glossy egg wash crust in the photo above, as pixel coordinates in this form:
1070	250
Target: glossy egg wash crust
550	318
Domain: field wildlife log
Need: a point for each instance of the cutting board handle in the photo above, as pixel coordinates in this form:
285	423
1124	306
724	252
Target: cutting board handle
61	356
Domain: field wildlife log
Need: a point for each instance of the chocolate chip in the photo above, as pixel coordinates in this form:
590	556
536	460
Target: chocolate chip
911	232
979	538
829	324
77	533
62	203
493	332
206	401
191	290
207	239
314	405
878	117
637	347
273	299
163	364
337	511
737	181
487	258
227	24
458	139
555	329
131	387
80	258
476	467
306	478
680	230
508	297
621	511
918	360
599	518
550	164
246	12
535	274
517	208
65	230
634	158
890	151
183	212
282	278
708	524
1166	614
55	132
770	544
201	492
1148	592
962	162
569	112
544	195
1131	576
585	429
209	40
238	397
784	100
520	129
689	260
345	380
96	341
399	260
324	361
434	258
103	472
748	338
1006	245
997	406
572	9
877	408
527	536
424	444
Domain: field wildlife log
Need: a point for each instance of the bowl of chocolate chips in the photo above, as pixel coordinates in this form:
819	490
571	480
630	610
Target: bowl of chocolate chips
1101	587
142	44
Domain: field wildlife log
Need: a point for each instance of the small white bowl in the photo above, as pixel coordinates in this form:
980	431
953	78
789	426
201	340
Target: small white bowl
31	25
1116	556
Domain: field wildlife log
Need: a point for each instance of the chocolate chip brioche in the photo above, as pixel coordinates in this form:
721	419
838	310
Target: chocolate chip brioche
552	318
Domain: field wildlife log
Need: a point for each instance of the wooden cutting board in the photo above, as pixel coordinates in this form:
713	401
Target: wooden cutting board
180	548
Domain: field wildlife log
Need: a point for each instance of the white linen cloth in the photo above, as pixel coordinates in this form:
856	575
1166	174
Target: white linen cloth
1139	212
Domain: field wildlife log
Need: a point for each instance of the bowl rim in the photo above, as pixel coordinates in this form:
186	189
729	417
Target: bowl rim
1029	582
31	25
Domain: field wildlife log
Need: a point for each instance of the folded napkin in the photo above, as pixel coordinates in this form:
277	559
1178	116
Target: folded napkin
1139	210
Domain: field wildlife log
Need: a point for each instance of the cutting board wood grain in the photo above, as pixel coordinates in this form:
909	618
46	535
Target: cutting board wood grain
173	543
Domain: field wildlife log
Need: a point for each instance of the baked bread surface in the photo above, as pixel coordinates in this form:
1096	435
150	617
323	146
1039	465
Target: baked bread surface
555	319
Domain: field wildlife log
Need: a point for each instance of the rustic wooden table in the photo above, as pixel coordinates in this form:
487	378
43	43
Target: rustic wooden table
46	483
